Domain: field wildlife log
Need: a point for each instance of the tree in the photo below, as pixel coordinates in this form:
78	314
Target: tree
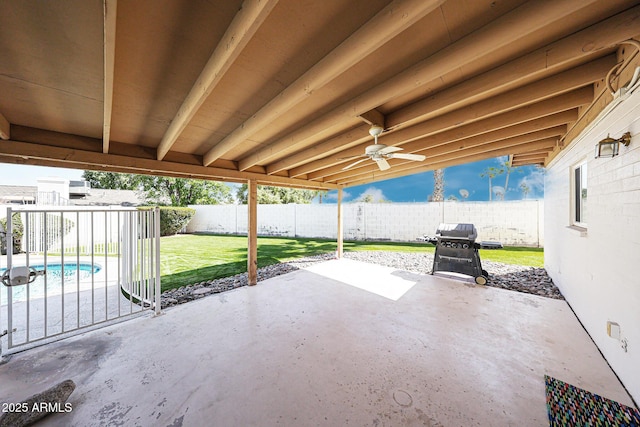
182	192
164	190
438	186
507	170
320	194
491	172
268	195
112	180
525	189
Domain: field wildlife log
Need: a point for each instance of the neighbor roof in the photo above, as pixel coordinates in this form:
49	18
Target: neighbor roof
18	194
284	92
108	197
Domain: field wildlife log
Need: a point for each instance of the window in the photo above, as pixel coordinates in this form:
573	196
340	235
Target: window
580	195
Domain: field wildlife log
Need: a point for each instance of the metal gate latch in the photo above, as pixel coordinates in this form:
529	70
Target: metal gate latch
17	276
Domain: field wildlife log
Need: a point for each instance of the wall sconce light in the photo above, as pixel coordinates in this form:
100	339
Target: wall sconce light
609	147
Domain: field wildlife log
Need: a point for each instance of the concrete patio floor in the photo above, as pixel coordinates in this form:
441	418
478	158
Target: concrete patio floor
339	343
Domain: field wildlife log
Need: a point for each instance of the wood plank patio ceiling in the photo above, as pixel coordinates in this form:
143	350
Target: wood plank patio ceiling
281	91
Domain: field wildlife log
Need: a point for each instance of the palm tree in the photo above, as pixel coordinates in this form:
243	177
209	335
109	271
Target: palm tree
506	168
438	185
491	172
320	194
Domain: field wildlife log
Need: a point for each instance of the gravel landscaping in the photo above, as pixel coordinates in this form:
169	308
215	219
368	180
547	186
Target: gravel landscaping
518	278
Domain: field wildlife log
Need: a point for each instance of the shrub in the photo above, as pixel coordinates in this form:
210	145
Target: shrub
18	232
173	219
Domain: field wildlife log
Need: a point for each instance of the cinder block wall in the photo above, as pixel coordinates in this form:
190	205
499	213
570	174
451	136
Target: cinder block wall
512	223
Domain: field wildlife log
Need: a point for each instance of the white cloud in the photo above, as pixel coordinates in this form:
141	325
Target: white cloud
333	195
535	182
502	160
374	193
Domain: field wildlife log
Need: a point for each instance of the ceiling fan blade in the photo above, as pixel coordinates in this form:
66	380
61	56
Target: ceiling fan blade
354	163
388	150
416	157
382	164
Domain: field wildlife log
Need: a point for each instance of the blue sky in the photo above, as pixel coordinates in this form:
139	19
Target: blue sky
414	188
417	188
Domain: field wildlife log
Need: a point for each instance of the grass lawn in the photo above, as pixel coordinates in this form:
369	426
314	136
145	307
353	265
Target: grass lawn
192	258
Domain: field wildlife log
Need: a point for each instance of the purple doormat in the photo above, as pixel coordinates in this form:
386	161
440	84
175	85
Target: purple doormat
568	405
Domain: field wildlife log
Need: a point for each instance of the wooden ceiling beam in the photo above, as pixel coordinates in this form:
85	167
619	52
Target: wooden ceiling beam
5	128
492	107
535	153
514	145
340	142
462	159
110	9
592	39
373	118
81	159
537	161
536	64
41	146
241	30
302	161
471	146
384	26
540	158
533	92
530	112
515	25
526	159
451	140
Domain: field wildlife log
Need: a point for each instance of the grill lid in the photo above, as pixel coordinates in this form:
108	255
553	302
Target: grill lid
457	231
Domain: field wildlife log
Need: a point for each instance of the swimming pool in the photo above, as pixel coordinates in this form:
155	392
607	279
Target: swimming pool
69	273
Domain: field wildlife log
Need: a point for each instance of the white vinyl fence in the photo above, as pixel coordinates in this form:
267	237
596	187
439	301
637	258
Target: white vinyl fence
514	223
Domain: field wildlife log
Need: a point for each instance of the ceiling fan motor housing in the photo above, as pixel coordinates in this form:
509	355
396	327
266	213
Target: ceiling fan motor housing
373	149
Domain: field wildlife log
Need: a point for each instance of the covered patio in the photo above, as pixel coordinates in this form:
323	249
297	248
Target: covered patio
291	92
338	343
286	93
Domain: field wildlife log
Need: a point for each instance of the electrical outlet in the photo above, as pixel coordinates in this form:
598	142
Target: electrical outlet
613	330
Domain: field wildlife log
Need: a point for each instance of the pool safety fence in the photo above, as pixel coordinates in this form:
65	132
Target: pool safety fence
75	270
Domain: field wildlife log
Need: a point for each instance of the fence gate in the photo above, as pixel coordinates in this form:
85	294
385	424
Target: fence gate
66	270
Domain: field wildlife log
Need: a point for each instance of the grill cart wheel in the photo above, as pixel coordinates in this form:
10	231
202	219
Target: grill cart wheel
481	280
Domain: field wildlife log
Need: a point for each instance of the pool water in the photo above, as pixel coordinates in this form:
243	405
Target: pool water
56	275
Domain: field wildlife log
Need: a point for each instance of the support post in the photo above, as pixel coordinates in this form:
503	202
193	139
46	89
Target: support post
252	232
340	233
156	236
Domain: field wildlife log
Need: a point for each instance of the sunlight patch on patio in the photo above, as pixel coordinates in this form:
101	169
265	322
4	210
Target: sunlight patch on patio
383	281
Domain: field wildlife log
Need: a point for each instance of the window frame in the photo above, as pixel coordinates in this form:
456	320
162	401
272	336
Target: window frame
579	184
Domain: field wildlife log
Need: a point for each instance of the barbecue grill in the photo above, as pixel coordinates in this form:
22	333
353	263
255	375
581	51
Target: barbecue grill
457	251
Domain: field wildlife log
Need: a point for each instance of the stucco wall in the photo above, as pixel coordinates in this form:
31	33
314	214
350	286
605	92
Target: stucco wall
512	223
597	268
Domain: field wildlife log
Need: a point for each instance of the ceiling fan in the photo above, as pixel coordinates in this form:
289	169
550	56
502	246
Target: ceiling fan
379	153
